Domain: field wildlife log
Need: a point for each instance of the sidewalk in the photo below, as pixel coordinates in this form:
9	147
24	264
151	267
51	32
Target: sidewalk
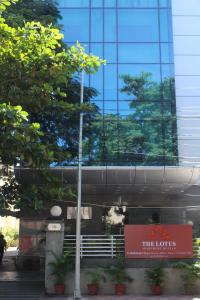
129	297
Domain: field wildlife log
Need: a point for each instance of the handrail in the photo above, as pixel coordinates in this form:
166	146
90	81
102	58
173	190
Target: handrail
96	245
106	245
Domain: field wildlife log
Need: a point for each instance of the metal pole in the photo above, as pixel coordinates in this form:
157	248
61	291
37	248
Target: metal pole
77	289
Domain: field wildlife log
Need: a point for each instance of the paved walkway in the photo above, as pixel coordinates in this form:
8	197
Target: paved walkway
102	297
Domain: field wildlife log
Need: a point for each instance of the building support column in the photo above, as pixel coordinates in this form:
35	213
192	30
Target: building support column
54	244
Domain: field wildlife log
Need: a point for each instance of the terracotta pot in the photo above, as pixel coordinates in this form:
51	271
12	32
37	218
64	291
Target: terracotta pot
156	289
120	289
92	289
60	289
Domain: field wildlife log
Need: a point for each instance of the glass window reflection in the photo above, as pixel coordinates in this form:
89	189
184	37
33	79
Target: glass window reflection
96	49
96	25
110	25
110	3
138	53
75	25
110	82
110	52
96	3
165	25
138	3
166	53
138	25
73	3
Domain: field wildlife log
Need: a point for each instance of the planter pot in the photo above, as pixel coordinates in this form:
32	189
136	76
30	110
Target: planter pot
92	289
60	289
120	289
189	289
156	289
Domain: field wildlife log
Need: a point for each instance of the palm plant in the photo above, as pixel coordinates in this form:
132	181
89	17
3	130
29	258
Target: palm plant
60	266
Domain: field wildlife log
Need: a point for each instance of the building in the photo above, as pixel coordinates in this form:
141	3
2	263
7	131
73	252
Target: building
141	151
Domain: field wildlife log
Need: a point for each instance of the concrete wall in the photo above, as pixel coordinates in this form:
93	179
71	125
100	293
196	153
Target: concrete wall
173	284
186	36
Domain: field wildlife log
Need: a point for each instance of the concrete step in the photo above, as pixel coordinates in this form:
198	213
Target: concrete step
10	290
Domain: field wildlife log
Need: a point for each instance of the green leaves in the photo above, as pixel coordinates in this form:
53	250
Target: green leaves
5	3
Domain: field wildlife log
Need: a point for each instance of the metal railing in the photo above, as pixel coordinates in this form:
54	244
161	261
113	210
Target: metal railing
96	245
106	245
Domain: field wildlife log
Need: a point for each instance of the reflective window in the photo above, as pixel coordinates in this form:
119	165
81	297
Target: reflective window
135	90
96	25
73	3
164	3
75	25
165	25
166	53
110	25
138	53
110	52
110	106
138	3
97	49
110	3
96	3
138	25
110	82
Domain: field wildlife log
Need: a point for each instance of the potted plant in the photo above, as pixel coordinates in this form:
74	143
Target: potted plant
155	277
95	276
119	275
191	272
60	266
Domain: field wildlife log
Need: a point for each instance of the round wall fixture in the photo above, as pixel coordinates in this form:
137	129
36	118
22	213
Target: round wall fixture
56	211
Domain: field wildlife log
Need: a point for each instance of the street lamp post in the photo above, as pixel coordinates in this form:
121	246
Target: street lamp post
77	288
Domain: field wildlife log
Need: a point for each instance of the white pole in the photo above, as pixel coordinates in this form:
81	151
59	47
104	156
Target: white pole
77	289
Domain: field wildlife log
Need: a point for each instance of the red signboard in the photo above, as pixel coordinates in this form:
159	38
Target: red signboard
158	241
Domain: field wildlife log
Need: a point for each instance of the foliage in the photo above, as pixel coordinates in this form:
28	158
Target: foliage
95	276
61	265
191	271
21	137
155	276
11	236
36	84
118	271
46	12
5	3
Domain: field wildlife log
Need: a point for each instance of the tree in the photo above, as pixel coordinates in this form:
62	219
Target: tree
37	73
46	12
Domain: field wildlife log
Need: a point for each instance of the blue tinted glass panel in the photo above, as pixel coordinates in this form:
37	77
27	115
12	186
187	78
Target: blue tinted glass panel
110	25
99	105
110	3
110	82
96	25
73	3
75	25
96	3
164	3
96	81
136	70
124	106
110	52
165	25
138	25
167	71
166	53
110	106
138	3
139	53
97	49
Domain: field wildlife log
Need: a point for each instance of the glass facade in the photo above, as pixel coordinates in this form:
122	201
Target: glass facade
135	123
